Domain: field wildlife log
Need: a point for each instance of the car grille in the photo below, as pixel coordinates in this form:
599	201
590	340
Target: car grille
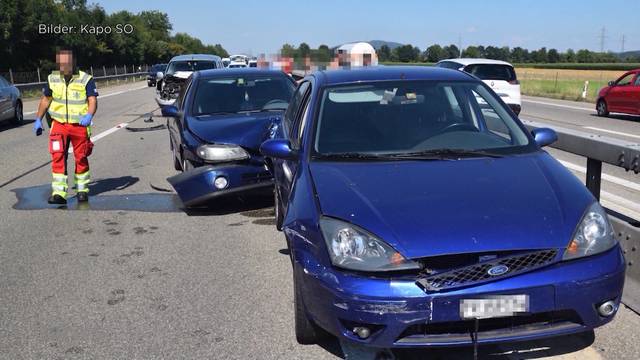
479	273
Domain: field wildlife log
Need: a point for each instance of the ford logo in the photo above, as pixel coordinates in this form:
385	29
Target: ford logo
498	270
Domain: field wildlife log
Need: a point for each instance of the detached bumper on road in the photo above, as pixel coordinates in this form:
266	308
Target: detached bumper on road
197	186
562	300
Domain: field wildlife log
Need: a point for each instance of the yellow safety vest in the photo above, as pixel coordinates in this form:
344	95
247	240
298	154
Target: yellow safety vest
69	102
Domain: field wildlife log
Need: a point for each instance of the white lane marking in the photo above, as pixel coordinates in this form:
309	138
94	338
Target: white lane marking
103	134
559	105
606	177
102	96
612	132
620	201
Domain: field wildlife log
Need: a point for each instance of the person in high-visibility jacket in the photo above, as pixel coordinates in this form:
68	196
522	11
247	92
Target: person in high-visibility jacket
70	98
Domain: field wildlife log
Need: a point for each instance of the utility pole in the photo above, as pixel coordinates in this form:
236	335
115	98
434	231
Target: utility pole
622	47
602	37
459	46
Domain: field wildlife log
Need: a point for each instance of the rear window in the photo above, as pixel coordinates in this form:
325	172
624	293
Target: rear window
492	71
449	65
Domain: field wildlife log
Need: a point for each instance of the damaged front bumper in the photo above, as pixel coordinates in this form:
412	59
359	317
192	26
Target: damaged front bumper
198	186
398	313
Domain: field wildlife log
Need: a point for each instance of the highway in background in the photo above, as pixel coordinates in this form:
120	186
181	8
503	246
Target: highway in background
620	189
132	276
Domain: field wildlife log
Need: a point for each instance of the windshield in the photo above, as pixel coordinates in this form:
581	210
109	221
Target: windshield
242	93
415	116
191	65
492	71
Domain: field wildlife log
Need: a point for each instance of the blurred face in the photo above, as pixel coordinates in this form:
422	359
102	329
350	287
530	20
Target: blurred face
64	59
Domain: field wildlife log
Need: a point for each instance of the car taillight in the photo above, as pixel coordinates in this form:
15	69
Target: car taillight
514	82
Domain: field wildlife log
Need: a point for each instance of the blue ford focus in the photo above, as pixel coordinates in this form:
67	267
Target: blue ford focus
216	127
419	211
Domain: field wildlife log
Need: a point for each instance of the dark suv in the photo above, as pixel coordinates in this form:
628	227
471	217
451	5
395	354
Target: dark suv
153	72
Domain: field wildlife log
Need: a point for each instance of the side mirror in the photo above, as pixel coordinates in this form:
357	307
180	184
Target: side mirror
611	83
278	149
544	136
170	111
159	75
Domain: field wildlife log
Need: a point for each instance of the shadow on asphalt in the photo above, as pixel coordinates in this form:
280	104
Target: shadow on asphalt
522	350
35	198
256	205
632	118
8	124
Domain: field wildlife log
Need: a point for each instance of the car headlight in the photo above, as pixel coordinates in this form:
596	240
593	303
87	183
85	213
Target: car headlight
353	248
221	152
593	235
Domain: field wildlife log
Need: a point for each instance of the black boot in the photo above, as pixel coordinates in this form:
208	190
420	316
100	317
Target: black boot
57	199
82	196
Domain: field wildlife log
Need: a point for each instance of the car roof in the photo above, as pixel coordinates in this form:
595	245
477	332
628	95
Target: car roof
213	73
383	73
205	57
469	61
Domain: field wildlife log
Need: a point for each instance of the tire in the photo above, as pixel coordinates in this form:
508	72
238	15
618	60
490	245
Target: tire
276	206
306	331
602	108
18	116
186	165
176	160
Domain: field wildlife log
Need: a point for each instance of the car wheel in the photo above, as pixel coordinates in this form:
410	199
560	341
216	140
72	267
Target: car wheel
18	116
306	331
602	108
276	206
186	165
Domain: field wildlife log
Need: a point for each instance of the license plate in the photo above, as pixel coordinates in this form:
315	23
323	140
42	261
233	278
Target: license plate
494	306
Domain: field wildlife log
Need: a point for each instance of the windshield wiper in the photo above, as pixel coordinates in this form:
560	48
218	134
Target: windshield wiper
216	113
265	110
447	153
377	157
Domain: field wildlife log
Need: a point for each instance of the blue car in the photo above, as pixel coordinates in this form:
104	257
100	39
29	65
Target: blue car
216	127
419	211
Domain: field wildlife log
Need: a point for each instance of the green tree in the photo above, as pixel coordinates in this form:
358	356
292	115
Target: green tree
553	56
471	52
435	53
452	51
384	53
304	50
405	53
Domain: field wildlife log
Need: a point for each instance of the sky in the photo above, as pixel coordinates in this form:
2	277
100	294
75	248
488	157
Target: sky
254	27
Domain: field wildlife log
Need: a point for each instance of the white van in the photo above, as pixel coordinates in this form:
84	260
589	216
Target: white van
499	75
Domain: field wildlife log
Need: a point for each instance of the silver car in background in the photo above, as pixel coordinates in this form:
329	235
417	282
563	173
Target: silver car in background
10	102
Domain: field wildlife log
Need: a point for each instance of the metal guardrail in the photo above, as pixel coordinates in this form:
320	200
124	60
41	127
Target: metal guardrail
602	149
37	85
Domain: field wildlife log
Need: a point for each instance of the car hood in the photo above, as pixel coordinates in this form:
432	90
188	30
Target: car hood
430	208
247	130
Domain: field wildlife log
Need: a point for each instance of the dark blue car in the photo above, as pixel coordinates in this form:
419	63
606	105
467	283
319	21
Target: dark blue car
419	211
216	127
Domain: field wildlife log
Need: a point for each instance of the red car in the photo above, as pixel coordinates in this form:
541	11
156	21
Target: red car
621	96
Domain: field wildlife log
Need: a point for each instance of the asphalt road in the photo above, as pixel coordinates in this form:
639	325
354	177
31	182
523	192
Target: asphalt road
132	276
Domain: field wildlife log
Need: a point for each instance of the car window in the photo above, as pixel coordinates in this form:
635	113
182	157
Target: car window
637	83
410	116
492	71
625	80
183	91
449	65
292	110
242	93
3	82
301	119
191	65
